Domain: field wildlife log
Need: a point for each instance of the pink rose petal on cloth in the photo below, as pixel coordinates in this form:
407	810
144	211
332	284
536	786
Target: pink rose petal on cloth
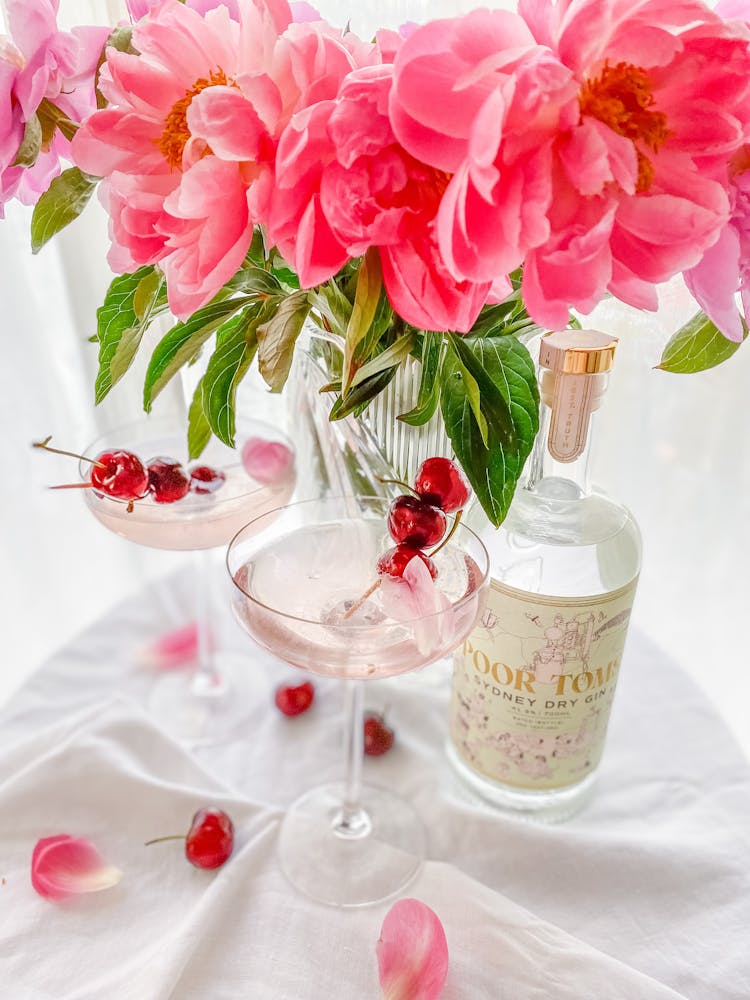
412	952
266	461
177	648
65	866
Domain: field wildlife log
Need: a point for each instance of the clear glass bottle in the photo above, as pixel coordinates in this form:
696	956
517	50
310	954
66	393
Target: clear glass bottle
533	685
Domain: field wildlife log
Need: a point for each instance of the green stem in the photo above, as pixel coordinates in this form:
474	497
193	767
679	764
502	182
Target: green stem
450	534
160	840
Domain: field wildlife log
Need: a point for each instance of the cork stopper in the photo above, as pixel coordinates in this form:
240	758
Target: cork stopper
574	379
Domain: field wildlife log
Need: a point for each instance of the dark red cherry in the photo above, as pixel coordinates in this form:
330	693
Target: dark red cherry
167	480
378	736
441	482
120	474
210	839
415	522
395	560
294	700
204	479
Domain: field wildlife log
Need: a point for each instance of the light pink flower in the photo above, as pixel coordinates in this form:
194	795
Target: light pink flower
344	183
188	142
39	62
639	182
412	952
63	866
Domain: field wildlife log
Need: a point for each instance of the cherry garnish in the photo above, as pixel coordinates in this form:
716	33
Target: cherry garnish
378	736
415	522
209	841
167	480
440	482
120	474
294	700
204	479
395	560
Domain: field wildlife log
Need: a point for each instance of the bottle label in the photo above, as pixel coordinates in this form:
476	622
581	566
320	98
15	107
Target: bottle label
533	685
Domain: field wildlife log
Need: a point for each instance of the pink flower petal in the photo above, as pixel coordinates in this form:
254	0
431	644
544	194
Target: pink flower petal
266	461
65	866
412	952
177	648
416	598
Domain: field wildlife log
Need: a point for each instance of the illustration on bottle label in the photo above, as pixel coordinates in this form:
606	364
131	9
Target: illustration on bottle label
533	685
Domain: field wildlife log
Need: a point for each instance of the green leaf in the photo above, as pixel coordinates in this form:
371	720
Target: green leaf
361	395
330	303
199	429
492	468
699	345
429	385
366	300
392	355
120	329
31	144
180	344
255	280
63	201
236	344
490	400
277	337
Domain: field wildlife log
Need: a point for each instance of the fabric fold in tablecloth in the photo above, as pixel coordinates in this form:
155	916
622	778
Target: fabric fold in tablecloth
171	931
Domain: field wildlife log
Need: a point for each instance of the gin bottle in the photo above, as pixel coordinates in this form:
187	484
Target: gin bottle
533	685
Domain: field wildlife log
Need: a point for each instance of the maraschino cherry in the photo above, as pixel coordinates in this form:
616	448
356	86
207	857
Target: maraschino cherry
441	482
378	737
292	699
167	480
395	560
118	473
415	523
204	479
209	841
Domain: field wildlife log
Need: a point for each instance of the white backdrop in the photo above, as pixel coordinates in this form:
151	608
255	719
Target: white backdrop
674	448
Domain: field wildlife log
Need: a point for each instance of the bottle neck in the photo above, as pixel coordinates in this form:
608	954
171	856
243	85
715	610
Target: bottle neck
559	463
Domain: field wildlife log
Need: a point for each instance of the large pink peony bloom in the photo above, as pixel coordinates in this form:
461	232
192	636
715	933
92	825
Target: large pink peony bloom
584	144
343	184
40	62
724	269
187	144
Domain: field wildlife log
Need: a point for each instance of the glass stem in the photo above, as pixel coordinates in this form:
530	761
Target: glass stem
352	821
206	679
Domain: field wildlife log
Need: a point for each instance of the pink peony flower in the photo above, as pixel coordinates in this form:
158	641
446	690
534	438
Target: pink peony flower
40	62
187	144
344	183
639	182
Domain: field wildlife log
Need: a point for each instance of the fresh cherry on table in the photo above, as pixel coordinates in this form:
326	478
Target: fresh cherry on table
414	522
119	474
395	560
209	841
167	480
378	736
440	482
204	479
294	699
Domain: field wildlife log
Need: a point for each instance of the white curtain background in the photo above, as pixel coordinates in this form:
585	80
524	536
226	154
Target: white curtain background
675	449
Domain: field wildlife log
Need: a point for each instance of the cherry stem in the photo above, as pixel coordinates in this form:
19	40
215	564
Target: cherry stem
160	840
71	454
456	521
73	486
397	482
361	600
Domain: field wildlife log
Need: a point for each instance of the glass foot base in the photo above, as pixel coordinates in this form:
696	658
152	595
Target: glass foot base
202	710
364	867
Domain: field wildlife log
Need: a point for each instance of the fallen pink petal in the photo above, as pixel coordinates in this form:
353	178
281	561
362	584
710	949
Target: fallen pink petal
412	952
63	866
174	649
266	461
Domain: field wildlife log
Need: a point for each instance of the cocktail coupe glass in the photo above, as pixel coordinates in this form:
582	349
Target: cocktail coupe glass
299	576
208	703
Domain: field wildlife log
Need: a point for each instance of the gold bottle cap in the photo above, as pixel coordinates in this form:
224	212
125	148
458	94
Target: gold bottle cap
577	352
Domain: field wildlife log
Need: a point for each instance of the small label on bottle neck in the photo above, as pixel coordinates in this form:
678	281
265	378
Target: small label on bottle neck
571	410
533	685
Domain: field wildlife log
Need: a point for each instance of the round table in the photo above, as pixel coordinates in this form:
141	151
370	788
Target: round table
646	893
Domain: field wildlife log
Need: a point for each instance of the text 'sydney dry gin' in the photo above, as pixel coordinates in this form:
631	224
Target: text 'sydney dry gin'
533	684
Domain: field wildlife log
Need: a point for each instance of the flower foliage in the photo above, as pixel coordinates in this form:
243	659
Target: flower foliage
436	192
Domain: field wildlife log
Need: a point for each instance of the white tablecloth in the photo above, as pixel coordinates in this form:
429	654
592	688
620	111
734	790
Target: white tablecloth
645	894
